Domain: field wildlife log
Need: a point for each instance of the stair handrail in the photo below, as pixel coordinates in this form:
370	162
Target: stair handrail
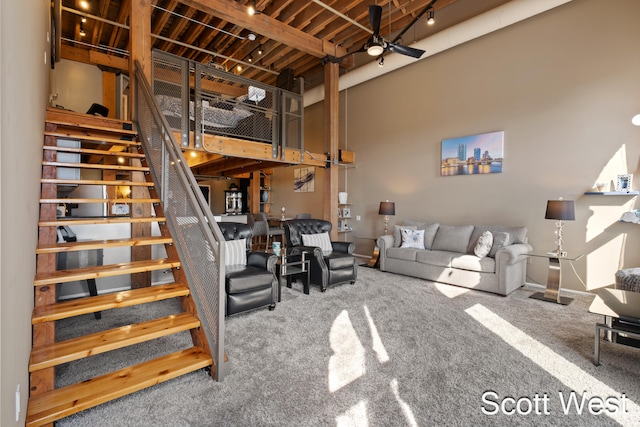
188	216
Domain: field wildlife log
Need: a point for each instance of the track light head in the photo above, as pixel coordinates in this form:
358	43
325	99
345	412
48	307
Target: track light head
431	17
381	62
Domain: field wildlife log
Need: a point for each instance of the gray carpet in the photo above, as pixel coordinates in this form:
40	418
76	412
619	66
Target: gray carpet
387	351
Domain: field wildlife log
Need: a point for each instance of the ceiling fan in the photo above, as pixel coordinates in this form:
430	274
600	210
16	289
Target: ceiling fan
377	45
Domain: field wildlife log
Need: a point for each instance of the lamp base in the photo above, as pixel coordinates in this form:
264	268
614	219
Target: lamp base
561	300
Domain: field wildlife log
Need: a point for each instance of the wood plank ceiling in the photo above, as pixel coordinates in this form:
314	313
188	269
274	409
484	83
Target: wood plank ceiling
289	34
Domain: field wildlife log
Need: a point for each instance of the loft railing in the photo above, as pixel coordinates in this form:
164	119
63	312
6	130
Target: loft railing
225	104
194	230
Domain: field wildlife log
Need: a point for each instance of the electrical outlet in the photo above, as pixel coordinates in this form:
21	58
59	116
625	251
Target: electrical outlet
18	403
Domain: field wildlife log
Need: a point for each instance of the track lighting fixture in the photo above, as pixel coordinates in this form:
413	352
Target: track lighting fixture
260	50
239	68
84	4
82	32
251	9
431	17
250	59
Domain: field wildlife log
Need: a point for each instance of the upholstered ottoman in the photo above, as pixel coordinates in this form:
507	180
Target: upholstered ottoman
628	279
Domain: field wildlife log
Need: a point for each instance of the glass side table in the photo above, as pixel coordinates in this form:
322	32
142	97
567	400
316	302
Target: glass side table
290	267
552	292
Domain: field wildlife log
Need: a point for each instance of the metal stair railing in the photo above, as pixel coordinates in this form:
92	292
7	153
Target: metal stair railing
195	232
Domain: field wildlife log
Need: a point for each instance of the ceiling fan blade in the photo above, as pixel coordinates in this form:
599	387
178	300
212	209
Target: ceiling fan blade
405	50
375	15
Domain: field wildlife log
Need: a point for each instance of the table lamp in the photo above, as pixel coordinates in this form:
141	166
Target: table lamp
560	210
387	208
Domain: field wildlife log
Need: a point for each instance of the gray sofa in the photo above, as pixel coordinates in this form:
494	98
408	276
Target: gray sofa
448	255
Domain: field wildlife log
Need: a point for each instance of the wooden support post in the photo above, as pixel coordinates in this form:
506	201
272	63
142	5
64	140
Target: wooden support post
109	92
254	192
140	44
331	131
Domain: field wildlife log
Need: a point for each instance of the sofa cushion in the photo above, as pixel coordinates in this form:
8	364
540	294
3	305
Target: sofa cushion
412	238
517	234
397	233
406	254
474	263
500	240
453	238
430	230
484	244
435	258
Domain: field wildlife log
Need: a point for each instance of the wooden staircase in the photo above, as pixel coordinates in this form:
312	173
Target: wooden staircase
111	148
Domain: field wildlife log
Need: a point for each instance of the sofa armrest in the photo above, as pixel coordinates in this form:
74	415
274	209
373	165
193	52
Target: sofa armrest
512	254
344	247
384	242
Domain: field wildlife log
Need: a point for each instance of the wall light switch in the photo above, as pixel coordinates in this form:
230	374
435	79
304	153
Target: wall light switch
357	217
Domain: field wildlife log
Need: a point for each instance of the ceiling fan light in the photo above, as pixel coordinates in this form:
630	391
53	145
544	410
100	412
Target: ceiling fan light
375	50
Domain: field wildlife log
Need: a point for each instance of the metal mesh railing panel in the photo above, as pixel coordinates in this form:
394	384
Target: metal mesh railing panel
190	221
292	120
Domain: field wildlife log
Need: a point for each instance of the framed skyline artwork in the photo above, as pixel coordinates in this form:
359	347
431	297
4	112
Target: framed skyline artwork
472	155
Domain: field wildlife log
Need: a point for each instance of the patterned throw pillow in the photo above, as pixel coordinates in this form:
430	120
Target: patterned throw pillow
483	247
412	238
236	252
397	238
500	240
320	240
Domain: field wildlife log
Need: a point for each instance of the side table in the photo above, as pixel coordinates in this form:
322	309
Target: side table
552	292
621	311
291	266
374	261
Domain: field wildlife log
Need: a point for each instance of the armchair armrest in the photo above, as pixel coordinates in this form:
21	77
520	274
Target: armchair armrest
262	260
345	247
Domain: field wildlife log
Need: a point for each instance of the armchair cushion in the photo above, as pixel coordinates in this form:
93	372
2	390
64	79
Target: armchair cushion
240	278
320	240
236	252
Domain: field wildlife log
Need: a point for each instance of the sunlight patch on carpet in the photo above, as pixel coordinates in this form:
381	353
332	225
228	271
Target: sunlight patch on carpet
377	345
355	416
565	371
406	410
347	363
450	291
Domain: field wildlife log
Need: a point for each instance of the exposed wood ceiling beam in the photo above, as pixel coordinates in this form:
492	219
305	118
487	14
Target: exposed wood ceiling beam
267	26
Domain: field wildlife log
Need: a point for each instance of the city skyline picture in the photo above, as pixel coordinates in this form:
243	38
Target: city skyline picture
472	155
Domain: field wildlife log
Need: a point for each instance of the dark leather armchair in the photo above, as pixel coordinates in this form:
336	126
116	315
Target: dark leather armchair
251	285
336	267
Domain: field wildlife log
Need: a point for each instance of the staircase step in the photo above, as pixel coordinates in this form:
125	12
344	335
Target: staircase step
96	139
101	271
110	201
77	307
101	342
94	151
96	166
95	182
48	407
108	220
80	125
100	244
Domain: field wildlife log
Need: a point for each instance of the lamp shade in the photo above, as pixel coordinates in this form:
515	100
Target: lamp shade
387	208
562	210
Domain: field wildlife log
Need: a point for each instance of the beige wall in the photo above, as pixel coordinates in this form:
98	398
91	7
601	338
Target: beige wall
76	85
23	97
563	86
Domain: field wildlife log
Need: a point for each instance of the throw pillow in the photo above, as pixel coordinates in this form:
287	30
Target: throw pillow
236	252
320	240
483	247
397	238
412	239
500	240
